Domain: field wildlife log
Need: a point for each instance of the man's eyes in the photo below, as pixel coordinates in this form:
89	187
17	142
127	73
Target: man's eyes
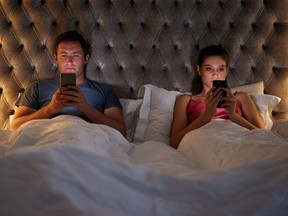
74	56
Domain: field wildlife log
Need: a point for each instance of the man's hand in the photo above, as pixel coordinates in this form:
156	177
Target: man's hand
56	104
73	96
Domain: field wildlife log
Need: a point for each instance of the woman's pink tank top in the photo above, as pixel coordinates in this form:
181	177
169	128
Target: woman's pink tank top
196	107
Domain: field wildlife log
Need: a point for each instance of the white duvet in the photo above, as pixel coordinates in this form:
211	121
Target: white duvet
66	166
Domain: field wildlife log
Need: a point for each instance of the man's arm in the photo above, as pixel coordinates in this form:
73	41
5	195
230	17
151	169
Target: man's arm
112	117
24	114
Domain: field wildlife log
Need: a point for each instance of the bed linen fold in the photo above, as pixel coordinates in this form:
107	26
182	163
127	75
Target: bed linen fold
65	166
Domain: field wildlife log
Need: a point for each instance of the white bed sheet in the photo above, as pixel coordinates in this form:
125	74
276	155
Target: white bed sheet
222	144
66	166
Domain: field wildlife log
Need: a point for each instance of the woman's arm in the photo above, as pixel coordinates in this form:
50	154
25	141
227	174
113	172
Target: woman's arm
251	118
180	124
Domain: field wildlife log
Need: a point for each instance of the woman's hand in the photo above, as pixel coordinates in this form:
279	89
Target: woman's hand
212	98
230	103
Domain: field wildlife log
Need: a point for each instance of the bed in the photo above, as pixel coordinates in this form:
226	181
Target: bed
147	50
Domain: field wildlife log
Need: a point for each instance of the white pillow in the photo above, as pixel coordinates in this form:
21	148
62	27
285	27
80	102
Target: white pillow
254	88
265	104
130	111
156	112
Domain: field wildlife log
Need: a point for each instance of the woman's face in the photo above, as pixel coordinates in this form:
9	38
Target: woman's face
213	68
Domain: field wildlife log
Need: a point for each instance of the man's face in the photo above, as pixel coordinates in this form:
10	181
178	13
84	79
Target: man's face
70	58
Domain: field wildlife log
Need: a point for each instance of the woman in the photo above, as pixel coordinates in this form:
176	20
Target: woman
192	112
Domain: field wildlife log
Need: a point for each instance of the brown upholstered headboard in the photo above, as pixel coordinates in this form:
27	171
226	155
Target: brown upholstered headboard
135	42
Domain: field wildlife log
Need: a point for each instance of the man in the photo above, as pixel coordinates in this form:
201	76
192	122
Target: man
93	101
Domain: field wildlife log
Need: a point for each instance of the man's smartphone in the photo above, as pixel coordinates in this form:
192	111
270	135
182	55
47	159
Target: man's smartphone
220	84
67	79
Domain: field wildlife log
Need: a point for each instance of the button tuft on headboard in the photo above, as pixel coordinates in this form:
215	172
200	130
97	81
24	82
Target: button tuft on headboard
165	25
109	46
176	3
253	68
176	47
43	46
131	90
97	24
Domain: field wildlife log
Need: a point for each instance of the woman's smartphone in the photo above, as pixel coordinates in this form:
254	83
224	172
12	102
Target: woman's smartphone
67	79
219	84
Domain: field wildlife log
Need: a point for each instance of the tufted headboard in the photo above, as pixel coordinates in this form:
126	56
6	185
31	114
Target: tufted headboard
135	42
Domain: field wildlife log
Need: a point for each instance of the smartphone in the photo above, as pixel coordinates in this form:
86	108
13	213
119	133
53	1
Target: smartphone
67	79
219	84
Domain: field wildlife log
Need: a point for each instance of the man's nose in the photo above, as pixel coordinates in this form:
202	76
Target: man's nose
70	58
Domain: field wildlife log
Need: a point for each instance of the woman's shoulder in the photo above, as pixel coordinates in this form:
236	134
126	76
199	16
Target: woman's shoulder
242	96
183	99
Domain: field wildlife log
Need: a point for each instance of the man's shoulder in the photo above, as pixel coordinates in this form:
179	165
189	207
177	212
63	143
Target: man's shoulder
45	82
98	84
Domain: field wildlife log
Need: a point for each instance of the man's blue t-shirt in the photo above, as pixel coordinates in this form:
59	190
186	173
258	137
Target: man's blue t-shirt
99	95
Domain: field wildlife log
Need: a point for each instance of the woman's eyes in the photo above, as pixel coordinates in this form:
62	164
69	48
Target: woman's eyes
211	69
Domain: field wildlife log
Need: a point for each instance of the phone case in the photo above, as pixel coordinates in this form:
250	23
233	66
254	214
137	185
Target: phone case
67	79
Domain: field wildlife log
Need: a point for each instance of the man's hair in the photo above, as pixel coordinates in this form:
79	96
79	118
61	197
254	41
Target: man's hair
72	36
